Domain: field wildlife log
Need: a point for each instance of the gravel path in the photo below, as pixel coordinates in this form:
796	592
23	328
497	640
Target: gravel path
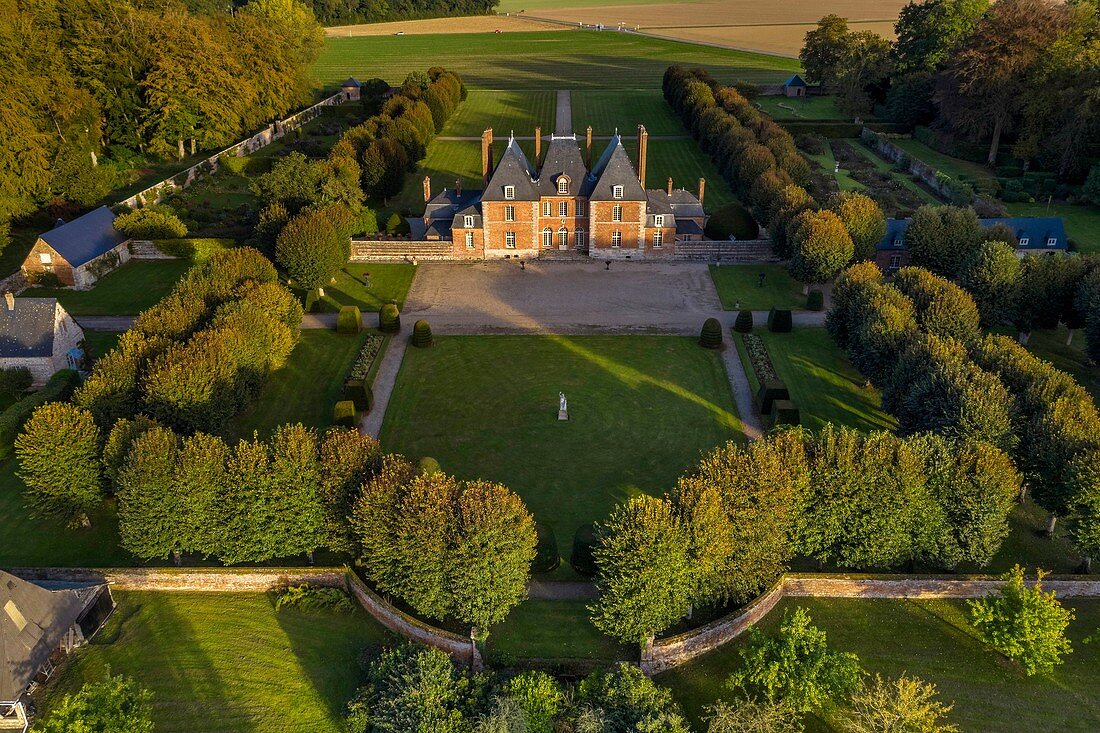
384	380
742	394
564	122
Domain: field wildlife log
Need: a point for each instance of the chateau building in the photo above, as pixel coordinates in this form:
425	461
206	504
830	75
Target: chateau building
562	202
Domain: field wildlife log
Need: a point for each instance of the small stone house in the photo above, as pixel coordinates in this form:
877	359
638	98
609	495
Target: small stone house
351	87
795	87
37	333
38	627
78	252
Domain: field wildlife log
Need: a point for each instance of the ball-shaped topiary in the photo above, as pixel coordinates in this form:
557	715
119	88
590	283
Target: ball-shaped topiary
711	335
547	558
422	334
429	466
815	301
389	318
584	545
349	320
743	324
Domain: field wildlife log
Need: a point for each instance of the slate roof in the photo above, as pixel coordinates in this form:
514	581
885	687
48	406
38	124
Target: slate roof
688	226
85	238
563	157
615	169
513	169
1036	230
33	621
795	81
448	201
27	331
351	81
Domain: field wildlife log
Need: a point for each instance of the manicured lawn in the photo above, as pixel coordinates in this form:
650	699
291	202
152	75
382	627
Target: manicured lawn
737	287
933	640
540	60
641	411
505	112
130	289
1082	222
826	161
1027	544
369	287
954	167
804	108
98	343
607	111
305	389
685	163
227	662
554	630
822	383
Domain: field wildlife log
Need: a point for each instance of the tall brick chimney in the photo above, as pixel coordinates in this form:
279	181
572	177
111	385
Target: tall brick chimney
538	146
588	148
9	298
669	189
643	144
702	189
487	154
427	189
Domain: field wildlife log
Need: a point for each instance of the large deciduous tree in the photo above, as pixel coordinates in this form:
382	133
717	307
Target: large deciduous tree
59	461
990	276
942	238
864	220
821	246
314	245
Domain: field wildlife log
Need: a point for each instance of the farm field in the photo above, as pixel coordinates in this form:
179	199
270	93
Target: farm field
464	24
546	61
228	662
933	640
651	403
505	112
607	111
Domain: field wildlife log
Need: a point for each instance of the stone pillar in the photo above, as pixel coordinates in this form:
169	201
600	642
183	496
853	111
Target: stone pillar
669	189
427	189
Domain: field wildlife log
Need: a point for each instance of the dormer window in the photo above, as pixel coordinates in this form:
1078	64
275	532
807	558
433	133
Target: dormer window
1051	241
563	186
468	222
617	192
659	220
1024	241
509	192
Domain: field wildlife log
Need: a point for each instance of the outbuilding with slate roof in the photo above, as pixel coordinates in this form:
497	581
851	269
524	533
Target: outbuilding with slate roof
1034	235
37	333
79	252
351	87
796	86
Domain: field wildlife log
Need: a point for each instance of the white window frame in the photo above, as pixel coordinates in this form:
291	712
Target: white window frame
1024	241
547	238
581	208
658	220
468	221
616	239
579	238
510	193
563	237
617	192
1052	241
658	239
547	208
617	212
45	258
563	208
509	213
509	240
469	240
563	186
895	262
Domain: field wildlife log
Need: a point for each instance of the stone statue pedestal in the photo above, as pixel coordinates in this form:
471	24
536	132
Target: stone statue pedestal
563	414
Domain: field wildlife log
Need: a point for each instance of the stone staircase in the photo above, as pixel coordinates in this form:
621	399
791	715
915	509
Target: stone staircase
726	252
398	250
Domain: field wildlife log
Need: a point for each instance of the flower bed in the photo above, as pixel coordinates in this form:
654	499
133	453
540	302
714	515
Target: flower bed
758	356
367	354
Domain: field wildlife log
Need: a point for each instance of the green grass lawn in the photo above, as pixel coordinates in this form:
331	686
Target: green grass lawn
736	284
130	289
933	640
553	630
369	287
541	60
822	383
98	343
954	167
305	389
901	178
1051	346
641	408
607	111
505	112
685	163
1082	222
801	108
228	662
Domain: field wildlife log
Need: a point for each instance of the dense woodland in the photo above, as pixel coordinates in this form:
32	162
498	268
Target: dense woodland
1016	76
93	89
346	12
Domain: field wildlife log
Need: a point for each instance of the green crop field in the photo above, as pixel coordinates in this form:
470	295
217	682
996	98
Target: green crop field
624	111
540	60
505	112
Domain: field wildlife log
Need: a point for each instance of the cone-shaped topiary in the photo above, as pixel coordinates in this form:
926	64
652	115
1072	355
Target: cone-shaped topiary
429	466
711	335
815	301
584	543
349	320
422	334
389	318
743	324
547	557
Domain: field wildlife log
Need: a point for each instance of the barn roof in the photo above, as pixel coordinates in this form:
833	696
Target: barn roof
27	330
795	81
86	237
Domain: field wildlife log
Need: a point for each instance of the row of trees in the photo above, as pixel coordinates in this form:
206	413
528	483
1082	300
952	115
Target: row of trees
919	340
345	12
759	159
729	529
91	85
978	71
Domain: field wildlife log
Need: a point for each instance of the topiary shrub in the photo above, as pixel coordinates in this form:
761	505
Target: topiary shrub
428	466
779	321
784	412
815	301
584	544
547	558
422	334
350	320
389	318
344	414
769	393
313	302
360	393
743	324
711	335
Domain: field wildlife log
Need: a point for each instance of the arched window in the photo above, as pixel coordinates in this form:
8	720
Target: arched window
563	185
563	237
547	238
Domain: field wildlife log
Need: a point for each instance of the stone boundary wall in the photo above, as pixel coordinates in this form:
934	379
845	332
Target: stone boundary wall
891	152
664	654
155	193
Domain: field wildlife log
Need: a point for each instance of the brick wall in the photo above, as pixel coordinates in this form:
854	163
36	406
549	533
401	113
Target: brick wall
496	228
602	225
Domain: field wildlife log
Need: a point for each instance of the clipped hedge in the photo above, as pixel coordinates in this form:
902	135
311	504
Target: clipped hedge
710	337
359	392
343	414
422	334
585	542
779	321
769	393
815	301
547	557
428	466
743	324
349	320
60	387
389	318
784	412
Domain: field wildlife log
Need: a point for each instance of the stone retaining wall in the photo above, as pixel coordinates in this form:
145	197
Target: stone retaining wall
210	580
665	654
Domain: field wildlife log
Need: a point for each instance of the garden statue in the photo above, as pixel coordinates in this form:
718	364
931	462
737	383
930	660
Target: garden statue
563	407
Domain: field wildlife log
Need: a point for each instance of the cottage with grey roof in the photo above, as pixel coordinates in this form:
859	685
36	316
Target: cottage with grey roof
1034	235
79	252
37	333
